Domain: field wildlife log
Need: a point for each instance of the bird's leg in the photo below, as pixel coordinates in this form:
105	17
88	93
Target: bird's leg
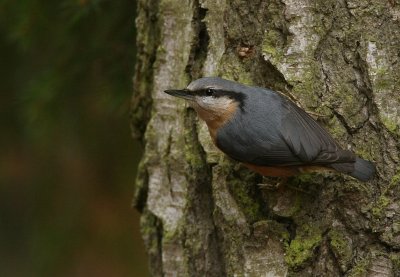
317	116
291	96
279	184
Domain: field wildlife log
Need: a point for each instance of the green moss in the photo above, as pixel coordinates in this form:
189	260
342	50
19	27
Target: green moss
242	185
396	178
296	205
395	258
194	153
337	241
141	187
379	207
336	128
150	226
390	125
168	236
340	247
360	269
289	204
309	85
249	207
396	227
281	231
236	73
272	45
304	179
365	154
301	249
273	228
383	84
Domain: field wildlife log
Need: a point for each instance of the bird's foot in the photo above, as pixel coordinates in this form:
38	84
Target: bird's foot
273	184
317	116
280	185
269	186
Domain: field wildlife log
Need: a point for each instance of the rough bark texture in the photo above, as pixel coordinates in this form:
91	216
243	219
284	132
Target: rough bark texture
205	215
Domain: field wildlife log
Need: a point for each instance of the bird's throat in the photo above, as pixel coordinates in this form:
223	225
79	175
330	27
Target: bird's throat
216	119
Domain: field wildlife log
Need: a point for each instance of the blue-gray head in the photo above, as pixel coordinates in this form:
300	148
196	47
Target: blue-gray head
214	99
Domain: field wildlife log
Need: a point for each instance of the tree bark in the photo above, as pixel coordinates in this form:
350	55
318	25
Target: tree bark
206	215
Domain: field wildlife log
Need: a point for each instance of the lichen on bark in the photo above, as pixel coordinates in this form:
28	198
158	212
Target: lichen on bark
206	215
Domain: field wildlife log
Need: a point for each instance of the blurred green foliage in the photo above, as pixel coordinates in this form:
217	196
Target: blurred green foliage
67	161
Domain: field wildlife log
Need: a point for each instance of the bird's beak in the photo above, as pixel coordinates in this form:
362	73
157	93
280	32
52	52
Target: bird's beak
181	93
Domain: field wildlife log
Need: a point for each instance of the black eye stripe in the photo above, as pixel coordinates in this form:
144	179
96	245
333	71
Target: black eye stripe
210	92
237	96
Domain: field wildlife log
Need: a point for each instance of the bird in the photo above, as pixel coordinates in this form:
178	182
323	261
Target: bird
267	132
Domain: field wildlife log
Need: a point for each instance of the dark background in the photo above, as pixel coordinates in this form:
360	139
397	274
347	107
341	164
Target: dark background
67	161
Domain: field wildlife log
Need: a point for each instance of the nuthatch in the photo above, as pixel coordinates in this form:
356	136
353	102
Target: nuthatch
267	132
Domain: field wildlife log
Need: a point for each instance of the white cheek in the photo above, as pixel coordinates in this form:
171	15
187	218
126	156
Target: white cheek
214	104
208	101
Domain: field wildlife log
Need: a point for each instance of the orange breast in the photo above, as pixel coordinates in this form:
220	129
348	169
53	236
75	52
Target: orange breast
216	119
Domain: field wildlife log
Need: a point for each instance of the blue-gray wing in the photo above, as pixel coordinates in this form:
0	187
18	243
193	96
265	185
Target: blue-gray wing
308	141
275	132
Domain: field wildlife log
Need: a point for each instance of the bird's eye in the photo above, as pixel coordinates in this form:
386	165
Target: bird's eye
209	92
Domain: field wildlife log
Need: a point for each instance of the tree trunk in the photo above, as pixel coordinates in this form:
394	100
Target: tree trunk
206	215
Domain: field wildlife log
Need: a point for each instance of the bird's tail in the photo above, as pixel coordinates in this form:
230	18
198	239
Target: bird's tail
363	170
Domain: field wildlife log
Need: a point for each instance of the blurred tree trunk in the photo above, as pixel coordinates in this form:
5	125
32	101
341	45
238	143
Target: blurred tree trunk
204	215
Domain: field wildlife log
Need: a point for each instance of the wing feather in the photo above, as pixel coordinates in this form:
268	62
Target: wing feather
308	140
273	131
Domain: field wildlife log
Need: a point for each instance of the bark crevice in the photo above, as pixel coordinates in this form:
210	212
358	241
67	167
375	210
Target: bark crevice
147	42
199	44
204	215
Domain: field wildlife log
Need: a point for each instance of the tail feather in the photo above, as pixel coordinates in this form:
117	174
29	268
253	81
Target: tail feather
363	170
